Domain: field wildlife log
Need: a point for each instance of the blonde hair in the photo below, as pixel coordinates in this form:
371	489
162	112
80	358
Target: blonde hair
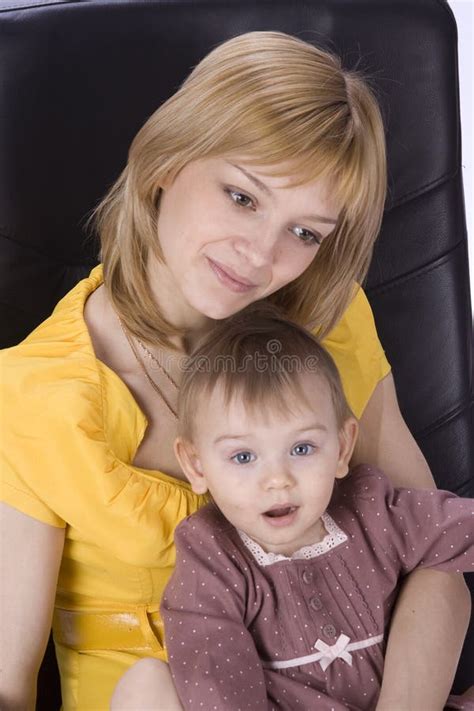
261	358
279	101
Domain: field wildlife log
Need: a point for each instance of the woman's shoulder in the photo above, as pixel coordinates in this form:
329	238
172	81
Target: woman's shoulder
65	327
356	325
50	389
356	349
56	362
60	339
53	385
51	408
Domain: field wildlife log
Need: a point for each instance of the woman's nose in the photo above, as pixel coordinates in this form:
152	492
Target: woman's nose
259	248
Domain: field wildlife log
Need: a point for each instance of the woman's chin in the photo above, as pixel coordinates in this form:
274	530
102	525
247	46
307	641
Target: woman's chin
219	310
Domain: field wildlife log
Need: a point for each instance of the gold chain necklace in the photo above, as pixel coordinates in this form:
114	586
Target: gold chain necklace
156	361
154	385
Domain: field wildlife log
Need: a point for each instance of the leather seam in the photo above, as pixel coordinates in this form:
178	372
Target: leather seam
417	274
446	419
32	5
422	190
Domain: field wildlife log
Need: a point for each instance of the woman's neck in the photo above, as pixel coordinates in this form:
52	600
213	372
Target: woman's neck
174	308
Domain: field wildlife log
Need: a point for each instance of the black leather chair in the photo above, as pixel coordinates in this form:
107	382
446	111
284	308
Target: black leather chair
79	77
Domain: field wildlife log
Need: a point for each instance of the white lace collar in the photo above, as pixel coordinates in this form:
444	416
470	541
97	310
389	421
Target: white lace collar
333	538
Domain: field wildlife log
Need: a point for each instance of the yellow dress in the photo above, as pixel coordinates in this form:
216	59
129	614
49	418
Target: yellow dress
73	428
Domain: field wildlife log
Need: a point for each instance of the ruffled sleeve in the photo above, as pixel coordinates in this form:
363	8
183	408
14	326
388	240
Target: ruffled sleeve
41	381
34	410
59	466
27	443
358	353
70	430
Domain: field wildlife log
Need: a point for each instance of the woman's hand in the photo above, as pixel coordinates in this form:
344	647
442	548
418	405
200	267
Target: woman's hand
146	685
432	612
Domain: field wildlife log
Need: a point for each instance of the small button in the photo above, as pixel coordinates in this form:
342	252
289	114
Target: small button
315	603
307	576
329	631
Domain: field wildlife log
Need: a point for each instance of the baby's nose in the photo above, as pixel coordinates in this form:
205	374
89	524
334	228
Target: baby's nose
279	477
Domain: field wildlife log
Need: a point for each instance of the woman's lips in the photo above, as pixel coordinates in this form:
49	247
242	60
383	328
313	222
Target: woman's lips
228	280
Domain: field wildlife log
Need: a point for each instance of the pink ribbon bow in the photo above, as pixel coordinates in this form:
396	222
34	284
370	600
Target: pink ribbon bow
331	652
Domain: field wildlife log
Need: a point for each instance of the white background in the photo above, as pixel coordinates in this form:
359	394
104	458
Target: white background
464	13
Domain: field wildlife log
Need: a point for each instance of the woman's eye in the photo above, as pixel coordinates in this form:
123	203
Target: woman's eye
240	199
242	457
306	236
301	450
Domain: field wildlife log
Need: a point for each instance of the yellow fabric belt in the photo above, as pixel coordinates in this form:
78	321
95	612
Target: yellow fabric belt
139	630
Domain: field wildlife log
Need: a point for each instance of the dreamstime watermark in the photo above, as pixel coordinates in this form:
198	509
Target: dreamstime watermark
270	361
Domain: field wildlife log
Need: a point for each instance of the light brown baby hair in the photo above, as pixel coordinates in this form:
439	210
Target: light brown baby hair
261	358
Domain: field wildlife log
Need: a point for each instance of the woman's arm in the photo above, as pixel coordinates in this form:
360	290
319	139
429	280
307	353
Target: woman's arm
432	611
29	563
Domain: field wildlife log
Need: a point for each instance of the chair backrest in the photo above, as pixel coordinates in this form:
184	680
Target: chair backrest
79	77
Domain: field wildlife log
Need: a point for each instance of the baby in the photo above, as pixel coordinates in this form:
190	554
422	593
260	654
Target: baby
284	584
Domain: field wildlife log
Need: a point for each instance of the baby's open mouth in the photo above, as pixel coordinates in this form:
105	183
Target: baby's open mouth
280	511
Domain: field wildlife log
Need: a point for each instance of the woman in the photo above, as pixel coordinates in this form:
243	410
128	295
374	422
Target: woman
251	182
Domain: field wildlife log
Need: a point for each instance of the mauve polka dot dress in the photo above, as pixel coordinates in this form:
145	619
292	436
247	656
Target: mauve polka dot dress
248	630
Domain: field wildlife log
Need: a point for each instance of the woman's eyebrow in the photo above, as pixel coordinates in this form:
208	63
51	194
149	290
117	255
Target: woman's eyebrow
264	188
253	179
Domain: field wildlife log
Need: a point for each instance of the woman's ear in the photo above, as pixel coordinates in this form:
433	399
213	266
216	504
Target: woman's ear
347	439
186	455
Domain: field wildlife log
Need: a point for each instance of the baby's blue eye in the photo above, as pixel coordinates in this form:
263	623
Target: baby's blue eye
300	450
306	236
242	457
240	199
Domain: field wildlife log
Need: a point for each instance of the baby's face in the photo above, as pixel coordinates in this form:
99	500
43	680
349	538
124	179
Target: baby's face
271	478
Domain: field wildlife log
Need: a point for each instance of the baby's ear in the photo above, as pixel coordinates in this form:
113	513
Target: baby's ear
186	455
347	439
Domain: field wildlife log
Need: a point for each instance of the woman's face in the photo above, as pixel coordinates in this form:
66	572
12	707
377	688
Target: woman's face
231	235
